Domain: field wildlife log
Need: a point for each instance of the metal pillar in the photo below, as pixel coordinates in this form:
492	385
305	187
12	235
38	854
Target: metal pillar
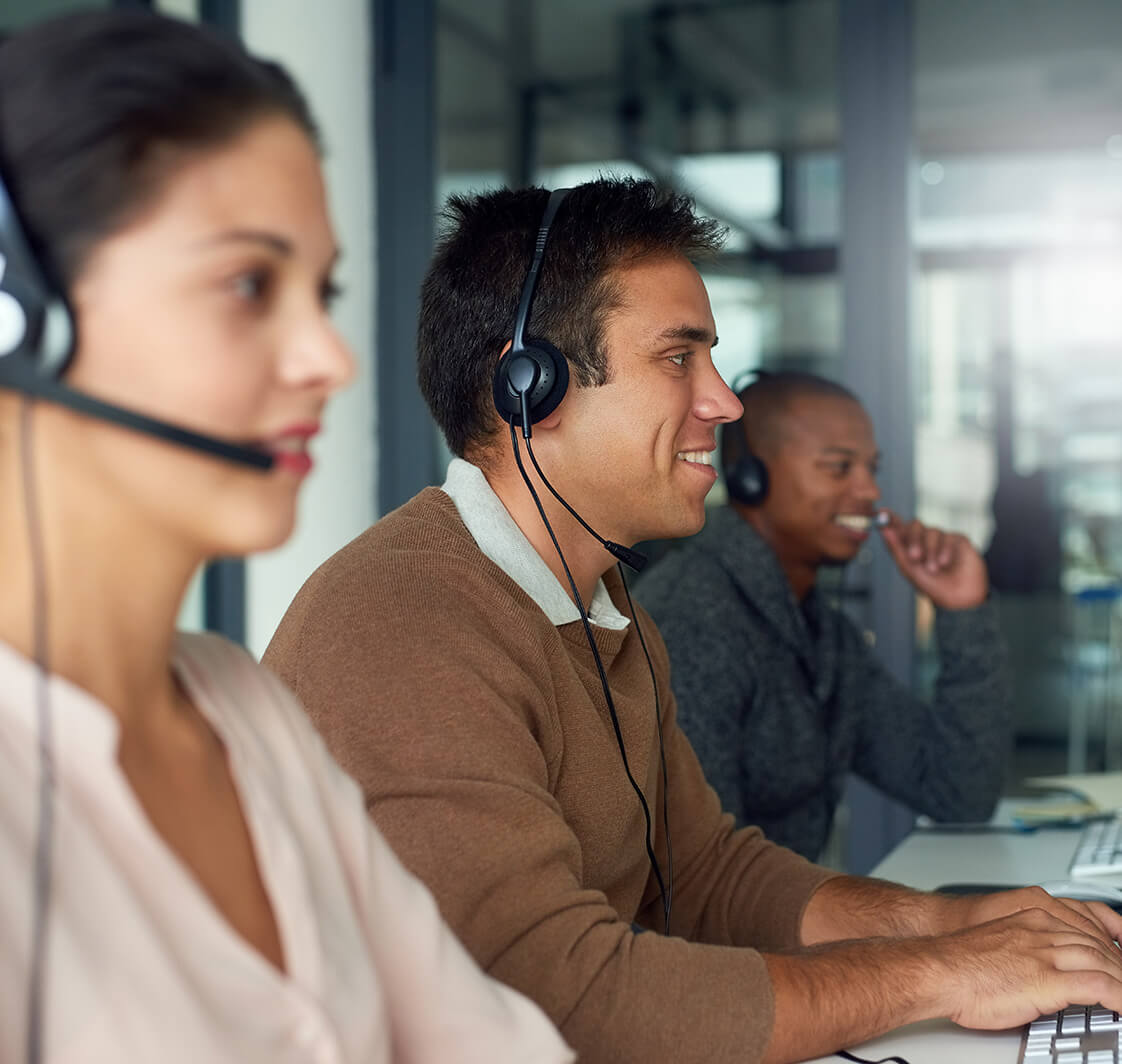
877	265
224	580
405	109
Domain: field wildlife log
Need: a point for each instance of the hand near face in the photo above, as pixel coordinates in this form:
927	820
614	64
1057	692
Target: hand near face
943	565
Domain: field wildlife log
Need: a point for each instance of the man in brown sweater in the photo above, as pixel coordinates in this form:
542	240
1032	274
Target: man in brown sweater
444	658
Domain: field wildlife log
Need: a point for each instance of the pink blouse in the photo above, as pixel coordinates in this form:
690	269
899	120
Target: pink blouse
142	968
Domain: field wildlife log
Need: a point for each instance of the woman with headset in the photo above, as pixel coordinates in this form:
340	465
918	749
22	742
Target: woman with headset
187	875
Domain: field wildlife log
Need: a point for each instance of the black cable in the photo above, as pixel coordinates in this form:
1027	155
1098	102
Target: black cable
846	1055
661	747
553	491
643	643
41	884
663	893
625	554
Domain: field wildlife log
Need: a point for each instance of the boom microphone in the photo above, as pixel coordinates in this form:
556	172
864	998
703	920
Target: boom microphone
631	558
24	378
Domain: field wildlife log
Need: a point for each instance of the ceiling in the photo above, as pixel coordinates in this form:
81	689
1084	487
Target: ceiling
743	75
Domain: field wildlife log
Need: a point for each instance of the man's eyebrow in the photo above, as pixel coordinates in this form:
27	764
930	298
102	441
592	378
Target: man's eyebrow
848	452
696	334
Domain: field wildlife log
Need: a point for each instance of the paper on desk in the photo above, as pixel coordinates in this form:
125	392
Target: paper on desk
1102	790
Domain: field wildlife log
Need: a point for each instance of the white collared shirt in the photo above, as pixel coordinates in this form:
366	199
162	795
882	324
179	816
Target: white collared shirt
142	968
499	537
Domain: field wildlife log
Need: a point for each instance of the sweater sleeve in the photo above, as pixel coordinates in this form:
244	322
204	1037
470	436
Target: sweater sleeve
439	714
945	758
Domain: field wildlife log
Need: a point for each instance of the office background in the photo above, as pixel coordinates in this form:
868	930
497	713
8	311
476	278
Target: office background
924	200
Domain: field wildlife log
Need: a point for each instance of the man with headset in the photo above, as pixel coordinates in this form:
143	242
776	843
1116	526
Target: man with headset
778	691
474	661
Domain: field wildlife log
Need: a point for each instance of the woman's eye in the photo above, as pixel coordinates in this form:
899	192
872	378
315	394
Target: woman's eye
329	292
252	286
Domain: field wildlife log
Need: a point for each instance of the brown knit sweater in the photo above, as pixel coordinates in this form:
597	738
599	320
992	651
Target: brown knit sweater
479	734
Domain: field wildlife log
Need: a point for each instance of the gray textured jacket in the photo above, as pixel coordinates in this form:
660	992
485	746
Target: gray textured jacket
780	708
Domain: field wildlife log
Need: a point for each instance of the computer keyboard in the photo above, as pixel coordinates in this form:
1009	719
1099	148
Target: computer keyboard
1078	1035
1099	851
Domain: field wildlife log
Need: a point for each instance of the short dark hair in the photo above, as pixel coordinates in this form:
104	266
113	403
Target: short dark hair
766	402
471	291
98	107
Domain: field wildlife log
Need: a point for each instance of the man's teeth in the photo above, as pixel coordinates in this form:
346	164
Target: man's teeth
700	457
857	522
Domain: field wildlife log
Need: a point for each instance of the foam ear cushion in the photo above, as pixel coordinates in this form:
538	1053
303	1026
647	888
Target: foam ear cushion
552	381
36	326
747	480
13	323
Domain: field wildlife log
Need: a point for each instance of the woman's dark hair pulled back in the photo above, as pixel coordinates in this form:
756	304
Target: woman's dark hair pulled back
98	108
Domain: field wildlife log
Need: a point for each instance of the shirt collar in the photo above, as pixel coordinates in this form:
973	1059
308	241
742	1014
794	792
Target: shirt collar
497	535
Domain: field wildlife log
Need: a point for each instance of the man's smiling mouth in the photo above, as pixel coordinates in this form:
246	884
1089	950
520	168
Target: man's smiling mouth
697	457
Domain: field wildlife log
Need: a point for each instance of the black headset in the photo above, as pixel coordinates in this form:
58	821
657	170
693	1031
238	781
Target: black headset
37	341
531	378
530	382
36	326
746	479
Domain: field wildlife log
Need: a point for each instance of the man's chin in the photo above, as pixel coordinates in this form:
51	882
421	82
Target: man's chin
839	556
681	529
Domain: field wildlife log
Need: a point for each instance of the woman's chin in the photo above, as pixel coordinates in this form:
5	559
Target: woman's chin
253	534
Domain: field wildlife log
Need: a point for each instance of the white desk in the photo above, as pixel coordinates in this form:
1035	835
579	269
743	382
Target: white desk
930	859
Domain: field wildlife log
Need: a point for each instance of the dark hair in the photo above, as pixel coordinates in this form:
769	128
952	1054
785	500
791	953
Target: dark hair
766	402
471	290
98	107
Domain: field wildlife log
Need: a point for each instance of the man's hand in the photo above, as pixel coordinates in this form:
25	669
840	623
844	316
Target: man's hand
1090	917
943	565
1033	959
1013	969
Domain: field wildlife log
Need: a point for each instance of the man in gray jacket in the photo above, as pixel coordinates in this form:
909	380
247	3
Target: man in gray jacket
777	690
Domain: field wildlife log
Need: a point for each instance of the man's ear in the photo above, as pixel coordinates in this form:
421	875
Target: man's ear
551	420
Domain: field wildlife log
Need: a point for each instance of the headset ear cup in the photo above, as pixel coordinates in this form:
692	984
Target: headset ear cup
36	324
551	382
13	323
747	480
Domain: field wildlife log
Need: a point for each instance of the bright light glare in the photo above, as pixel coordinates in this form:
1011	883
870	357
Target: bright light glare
1082	299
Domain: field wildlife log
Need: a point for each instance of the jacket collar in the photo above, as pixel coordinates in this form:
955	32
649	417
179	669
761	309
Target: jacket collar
756	573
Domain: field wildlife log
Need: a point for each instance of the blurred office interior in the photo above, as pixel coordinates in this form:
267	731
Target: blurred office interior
924	201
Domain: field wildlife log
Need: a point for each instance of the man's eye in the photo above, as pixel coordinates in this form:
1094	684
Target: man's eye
680	358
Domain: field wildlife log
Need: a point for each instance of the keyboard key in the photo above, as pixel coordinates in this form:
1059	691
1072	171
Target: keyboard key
1099	849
